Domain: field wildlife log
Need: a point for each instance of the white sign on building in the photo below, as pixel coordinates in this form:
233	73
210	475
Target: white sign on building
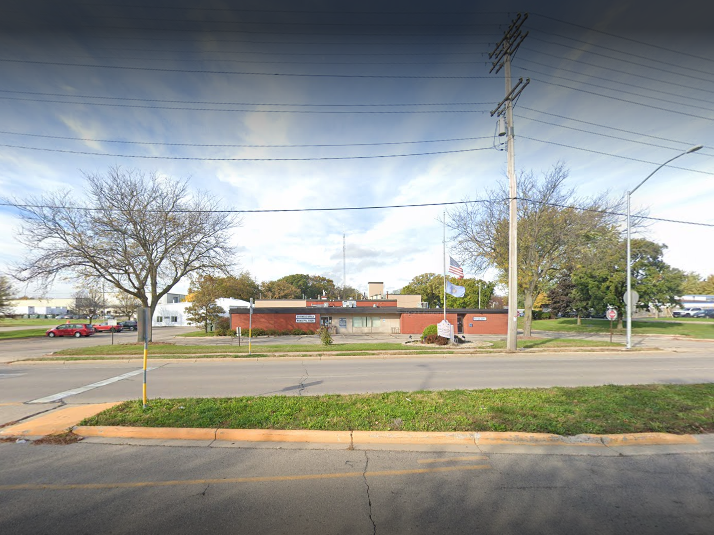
305	318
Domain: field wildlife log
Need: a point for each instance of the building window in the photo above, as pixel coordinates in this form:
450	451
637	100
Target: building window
174	319
359	321
159	319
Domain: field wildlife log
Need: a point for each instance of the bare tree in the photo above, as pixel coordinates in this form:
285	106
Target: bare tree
555	229
89	302
140	233
126	304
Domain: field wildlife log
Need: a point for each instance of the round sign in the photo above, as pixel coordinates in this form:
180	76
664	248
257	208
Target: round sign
611	314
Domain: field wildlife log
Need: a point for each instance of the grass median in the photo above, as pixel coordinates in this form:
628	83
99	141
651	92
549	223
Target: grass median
673	327
267	350
679	409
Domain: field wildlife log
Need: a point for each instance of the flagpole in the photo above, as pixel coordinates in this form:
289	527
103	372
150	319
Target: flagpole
444	258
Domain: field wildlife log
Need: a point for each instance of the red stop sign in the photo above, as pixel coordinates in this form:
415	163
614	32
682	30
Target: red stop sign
611	314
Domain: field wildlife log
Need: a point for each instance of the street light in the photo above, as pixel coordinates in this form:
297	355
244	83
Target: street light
628	295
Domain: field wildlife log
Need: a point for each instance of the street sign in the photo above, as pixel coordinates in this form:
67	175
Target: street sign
635	297
611	314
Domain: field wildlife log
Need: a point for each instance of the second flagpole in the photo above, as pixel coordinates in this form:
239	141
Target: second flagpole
443	256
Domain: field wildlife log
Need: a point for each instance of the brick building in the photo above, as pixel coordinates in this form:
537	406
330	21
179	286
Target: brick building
396	314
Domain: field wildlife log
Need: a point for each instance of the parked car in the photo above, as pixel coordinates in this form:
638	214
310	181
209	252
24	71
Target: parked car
704	313
685	312
106	327
71	329
129	325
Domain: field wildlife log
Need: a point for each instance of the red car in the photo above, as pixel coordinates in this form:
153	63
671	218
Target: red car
71	329
106	327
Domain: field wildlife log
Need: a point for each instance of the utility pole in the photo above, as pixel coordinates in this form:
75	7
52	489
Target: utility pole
344	267
501	56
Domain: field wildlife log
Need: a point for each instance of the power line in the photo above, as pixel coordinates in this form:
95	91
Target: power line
279	31
604	126
621	37
628	53
709	81
349	208
321	158
528	69
615	155
624	100
596	133
698	106
288	62
247	73
246	146
142	106
223	103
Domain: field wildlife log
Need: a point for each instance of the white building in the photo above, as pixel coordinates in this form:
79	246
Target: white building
173	314
21	307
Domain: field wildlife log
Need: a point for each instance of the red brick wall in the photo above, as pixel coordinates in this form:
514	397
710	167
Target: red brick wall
272	321
494	324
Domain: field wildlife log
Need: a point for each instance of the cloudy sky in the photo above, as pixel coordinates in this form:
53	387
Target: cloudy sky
276	105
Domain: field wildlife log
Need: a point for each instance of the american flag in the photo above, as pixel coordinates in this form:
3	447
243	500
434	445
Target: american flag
455	269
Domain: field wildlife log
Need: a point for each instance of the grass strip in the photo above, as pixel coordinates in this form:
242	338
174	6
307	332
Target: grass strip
680	409
22	333
672	328
343	349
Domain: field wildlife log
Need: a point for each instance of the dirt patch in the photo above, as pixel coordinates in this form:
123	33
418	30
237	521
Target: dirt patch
61	439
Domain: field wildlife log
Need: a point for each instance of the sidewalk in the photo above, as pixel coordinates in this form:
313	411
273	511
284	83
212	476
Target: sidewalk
65	418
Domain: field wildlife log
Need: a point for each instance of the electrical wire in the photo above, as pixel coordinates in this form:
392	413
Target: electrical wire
689	143
185	108
679	74
628	53
597	133
528	69
698	106
614	155
631	40
352	208
309	75
623	100
321	158
202	145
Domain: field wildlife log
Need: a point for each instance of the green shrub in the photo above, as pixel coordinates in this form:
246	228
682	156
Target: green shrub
428	330
222	327
436	340
540	315
257	331
325	336
298	332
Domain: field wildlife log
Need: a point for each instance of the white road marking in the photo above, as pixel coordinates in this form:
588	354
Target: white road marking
81	389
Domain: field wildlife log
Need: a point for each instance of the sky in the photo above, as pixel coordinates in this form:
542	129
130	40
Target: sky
276	105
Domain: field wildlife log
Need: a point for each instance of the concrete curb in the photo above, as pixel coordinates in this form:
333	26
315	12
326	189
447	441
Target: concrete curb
367	438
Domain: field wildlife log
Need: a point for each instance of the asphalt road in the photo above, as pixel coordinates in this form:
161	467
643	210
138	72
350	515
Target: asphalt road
99	488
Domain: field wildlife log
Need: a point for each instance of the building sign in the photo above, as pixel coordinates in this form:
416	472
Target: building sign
305	318
443	328
479	318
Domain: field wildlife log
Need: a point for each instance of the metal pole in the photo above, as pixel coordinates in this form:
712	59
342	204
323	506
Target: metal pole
250	326
147	319
628	304
443	256
511	341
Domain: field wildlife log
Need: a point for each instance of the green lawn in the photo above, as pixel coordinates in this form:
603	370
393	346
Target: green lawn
10	322
671	327
23	333
228	351
681	409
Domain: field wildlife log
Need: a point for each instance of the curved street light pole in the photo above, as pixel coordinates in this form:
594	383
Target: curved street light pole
628	299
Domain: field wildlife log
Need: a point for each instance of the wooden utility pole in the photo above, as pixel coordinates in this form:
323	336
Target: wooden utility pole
501	56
